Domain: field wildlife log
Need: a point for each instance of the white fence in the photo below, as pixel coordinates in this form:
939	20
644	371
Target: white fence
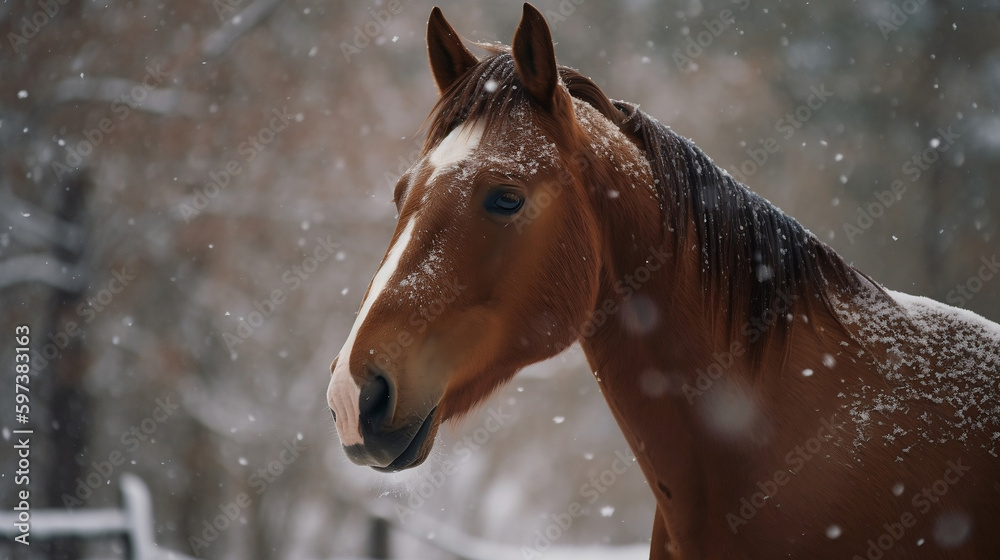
133	522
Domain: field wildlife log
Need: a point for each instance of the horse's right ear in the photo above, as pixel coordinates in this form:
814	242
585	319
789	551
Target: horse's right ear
449	57
535	56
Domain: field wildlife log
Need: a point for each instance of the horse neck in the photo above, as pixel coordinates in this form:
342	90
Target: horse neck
656	327
653	310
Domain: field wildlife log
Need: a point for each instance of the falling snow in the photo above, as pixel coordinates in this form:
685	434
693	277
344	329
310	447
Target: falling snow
354	127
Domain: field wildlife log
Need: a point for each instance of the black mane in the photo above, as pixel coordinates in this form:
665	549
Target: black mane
750	250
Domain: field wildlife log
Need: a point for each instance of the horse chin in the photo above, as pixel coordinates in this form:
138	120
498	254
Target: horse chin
419	448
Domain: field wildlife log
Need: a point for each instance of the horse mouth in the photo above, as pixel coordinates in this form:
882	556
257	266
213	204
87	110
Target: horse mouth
415	453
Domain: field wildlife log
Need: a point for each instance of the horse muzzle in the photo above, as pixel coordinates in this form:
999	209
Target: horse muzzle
396	450
365	416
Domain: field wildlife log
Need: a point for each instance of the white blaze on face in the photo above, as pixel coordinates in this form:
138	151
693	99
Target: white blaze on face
343	393
455	148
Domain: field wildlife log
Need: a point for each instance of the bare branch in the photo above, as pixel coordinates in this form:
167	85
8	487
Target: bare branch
41	268
35	226
221	39
159	101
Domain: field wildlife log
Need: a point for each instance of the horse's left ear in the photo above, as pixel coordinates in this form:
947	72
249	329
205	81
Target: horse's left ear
449	57
535	57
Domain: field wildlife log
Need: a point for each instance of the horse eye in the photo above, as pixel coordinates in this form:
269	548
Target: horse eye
504	203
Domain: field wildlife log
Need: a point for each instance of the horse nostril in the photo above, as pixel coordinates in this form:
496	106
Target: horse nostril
334	413
375	401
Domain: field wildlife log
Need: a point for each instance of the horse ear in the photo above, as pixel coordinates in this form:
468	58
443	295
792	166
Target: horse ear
535	56
449	57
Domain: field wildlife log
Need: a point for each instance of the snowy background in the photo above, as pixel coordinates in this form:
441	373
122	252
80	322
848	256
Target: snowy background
167	169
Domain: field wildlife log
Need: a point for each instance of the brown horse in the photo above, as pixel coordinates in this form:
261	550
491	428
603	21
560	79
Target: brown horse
780	403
